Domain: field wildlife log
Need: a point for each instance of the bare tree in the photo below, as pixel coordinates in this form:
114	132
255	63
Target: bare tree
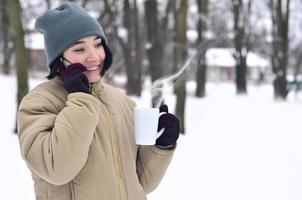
201	62
219	25
279	57
154	46
297	66
84	3
138	60
170	7
241	15
19	49
157	37
5	37
48	4
155	42
131	47
181	54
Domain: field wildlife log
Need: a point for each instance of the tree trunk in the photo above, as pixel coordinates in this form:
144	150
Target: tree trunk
241	74
175	45
138	59
48	3
7	51
201	62
133	68
19	49
84	3
297	68
280	19
155	43
128	48
240	47
181	53
154	39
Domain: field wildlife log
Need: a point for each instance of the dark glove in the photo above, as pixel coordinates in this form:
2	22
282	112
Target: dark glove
74	79
171	124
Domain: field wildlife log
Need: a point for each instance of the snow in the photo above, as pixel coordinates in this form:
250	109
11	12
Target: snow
223	57
192	35
235	147
123	33
34	41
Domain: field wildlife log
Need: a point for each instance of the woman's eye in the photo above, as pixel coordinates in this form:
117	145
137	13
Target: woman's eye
99	45
79	50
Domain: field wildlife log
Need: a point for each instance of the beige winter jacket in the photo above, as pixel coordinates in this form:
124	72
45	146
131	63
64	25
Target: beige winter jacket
82	147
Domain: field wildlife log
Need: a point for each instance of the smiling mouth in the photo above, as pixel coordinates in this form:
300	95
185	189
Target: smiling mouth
93	68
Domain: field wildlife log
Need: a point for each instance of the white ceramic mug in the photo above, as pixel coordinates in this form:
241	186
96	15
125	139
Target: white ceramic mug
146	124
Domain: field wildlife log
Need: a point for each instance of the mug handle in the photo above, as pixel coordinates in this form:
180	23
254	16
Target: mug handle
158	134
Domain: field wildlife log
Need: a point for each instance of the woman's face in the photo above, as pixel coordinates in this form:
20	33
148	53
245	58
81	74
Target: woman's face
89	52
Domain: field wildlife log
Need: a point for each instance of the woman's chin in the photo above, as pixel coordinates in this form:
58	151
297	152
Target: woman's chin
93	76
94	79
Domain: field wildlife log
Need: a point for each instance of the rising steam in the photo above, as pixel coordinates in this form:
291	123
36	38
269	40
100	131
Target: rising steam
159	85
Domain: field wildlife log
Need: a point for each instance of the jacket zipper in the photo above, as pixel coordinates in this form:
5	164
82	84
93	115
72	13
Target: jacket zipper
92	90
72	190
115	153
117	161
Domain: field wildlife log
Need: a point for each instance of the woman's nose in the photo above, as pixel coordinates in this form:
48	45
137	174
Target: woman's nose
92	55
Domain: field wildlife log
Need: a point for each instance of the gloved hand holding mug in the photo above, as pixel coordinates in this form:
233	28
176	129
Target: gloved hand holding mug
74	79
171	133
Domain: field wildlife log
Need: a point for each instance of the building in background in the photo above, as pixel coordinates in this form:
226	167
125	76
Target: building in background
221	65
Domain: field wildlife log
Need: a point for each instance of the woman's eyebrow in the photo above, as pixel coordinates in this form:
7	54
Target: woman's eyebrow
78	42
81	42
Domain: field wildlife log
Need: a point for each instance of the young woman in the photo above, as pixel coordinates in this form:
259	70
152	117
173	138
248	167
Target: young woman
76	133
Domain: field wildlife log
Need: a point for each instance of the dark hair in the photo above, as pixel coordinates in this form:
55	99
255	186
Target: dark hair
54	66
108	59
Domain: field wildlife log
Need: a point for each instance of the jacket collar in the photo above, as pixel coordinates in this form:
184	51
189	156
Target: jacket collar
98	86
99	91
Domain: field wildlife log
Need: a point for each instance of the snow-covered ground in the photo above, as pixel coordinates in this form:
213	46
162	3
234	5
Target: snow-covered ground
235	147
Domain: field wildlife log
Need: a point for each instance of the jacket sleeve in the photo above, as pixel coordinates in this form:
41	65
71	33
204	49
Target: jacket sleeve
152	164
53	143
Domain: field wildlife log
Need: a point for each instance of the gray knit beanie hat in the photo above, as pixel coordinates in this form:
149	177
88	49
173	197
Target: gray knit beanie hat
65	25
